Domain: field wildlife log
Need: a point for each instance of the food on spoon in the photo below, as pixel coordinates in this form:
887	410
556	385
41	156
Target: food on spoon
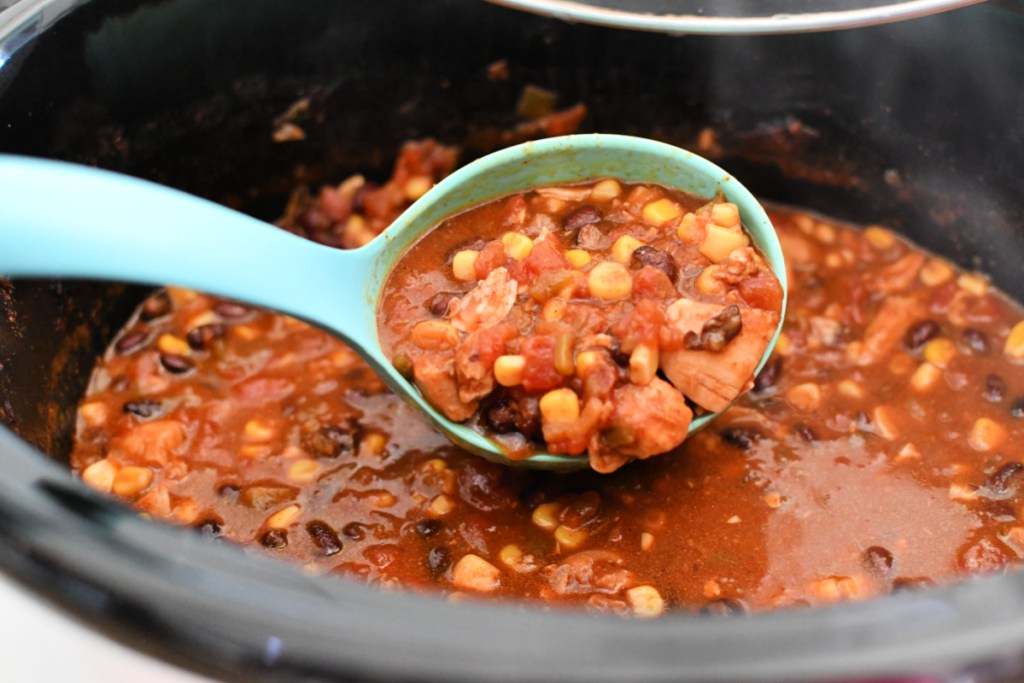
611	311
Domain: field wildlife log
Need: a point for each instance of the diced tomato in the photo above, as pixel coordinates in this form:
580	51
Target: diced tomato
491	256
491	342
652	283
263	389
513	213
762	292
546	255
641	326
563	122
540	373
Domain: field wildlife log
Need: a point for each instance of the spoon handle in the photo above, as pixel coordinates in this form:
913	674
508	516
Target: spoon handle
67	221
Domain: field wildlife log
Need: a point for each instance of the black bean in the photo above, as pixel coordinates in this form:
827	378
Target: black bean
324	537
905	583
975	340
228	491
438	304
583	215
209	527
1017	409
995	389
438	561
175	364
275	539
143	409
741	437
656	258
202	337
920	333
427	527
330	442
878	560
806	433
724	607
501	416
130	342
231	309
156	306
1000	479
591	238
717	331
354	531
769	375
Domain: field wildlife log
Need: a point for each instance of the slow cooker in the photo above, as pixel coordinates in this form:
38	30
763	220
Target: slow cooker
917	124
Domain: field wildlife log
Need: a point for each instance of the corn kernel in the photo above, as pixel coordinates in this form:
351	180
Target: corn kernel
586	361
435	465
772	499
511	555
851	389
356	233
646	601
646	540
245	332
284	517
707	283
962	493
176	346
375	442
901	364
258	430
880	238
825	233
835	588
545	516
303	471
805	397
517	246
570	538
726	215
926	377
939	352
609	280
560	405
643	364
719	242
508	370
100	475
623	248
579	258
417	186
935	272
381	499
883	418
132	480
441	505
606	190
834	260
1014	347
661	211
186	511
464	265
553	309
908	452
474	573
434	335
784	345
973	283
93	413
689	229
987	435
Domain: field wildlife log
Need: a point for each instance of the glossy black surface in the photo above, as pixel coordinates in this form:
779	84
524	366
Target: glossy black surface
918	125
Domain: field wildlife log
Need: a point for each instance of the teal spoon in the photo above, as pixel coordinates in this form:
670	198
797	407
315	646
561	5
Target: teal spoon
65	221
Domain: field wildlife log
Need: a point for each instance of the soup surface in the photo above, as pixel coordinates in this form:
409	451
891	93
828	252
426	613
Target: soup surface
588	319
877	450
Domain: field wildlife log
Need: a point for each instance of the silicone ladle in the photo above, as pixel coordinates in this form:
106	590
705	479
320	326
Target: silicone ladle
60	220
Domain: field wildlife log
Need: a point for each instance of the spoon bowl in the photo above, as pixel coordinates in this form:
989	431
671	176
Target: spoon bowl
61	220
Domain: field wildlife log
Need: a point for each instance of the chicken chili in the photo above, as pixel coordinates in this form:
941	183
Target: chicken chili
591	318
876	451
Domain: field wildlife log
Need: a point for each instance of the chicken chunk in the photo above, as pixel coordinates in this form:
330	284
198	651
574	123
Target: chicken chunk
485	305
655	417
885	331
713	379
434	374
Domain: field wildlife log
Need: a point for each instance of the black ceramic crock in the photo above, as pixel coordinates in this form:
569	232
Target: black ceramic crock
917	125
